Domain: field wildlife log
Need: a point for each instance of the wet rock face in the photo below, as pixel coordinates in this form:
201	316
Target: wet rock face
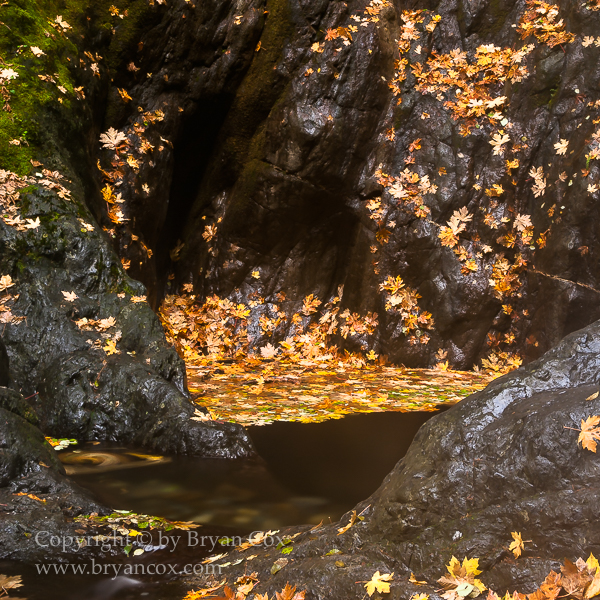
85	350
35	495
4	375
22	447
499	461
278	149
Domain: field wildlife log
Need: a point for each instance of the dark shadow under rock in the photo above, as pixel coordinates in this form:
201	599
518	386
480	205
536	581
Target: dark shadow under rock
503	460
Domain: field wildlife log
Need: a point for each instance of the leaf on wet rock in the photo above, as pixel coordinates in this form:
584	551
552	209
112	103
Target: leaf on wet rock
350	523
5	282
460	581
278	565
413	579
516	546
70	296
290	593
379	582
590	433
110	347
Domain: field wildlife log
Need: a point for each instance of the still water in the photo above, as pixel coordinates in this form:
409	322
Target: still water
307	473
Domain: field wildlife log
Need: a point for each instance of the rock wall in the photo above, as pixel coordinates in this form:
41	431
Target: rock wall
85	349
290	126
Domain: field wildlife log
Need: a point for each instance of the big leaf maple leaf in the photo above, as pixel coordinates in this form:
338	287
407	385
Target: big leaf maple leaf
590	433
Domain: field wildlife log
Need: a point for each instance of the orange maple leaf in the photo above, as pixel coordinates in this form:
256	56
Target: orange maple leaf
590	433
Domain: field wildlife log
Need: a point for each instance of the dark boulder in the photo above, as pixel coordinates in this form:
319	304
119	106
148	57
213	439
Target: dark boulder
505	459
88	396
85	349
22	448
35	495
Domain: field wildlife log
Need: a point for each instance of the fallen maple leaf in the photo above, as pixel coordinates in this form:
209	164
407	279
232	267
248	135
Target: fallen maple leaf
379	583
522	222
37	51
516	547
32	224
590	433
70	296
269	351
8	583
561	147
498	141
112	138
110	347
5	282
352	521
289	593
104	324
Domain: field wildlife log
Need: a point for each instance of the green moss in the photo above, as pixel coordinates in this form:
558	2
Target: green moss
38	108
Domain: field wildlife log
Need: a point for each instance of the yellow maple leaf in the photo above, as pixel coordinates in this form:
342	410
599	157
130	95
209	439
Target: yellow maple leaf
346	527
592	563
379	582
110	347
516	546
590	433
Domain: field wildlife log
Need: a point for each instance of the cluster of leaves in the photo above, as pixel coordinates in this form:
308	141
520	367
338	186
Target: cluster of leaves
128	523
540	20
469	85
257	391
121	520
403	300
60	443
108	337
579	580
408	33
11	187
408	189
245	584
7	300
461	580
219	328
128	152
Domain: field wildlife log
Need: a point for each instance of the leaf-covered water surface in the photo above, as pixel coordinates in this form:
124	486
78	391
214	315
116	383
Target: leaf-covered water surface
258	392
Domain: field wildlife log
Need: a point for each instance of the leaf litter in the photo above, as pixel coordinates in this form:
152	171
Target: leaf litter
256	391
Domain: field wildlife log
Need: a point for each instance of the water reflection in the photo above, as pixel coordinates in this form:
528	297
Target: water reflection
308	473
